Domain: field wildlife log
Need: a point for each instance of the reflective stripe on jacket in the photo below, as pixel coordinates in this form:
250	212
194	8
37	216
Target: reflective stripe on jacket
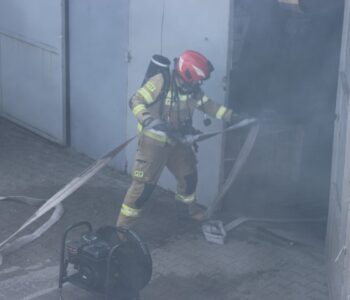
145	104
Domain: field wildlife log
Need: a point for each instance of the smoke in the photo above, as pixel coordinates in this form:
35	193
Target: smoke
285	72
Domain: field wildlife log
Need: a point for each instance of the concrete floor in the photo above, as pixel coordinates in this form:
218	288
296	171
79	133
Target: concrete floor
259	261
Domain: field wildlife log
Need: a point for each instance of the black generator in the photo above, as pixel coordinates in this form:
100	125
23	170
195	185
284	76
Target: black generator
111	261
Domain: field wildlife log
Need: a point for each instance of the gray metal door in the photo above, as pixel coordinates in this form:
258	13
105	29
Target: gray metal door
32	66
338	233
98	69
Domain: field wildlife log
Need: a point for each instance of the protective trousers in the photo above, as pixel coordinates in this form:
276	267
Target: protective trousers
151	158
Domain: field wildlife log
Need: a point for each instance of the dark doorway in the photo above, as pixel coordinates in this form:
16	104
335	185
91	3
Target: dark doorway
284	71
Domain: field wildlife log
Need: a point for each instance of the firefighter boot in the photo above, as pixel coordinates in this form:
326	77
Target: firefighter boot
124	222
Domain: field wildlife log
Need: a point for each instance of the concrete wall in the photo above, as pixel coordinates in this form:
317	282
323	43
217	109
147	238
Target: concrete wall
98	75
170	27
32	62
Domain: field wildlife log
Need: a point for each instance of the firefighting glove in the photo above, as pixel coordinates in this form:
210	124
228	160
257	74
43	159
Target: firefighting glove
235	118
189	139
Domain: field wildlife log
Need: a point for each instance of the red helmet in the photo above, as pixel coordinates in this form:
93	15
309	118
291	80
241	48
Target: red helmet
193	67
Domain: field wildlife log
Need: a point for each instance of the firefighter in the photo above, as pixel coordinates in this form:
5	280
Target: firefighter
162	123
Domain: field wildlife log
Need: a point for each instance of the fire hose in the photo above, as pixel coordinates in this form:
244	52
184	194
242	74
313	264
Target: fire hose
55	201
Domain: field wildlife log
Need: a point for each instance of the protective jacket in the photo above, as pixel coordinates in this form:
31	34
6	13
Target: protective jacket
176	109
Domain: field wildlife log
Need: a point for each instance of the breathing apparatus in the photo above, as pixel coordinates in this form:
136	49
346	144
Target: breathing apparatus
179	80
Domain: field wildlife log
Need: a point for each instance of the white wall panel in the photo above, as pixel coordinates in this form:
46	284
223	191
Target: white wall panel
32	61
38	21
98	75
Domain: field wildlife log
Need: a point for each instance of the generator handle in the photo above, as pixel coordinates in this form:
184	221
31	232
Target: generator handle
63	250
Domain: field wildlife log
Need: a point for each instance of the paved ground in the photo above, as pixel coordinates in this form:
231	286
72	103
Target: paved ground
259	261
